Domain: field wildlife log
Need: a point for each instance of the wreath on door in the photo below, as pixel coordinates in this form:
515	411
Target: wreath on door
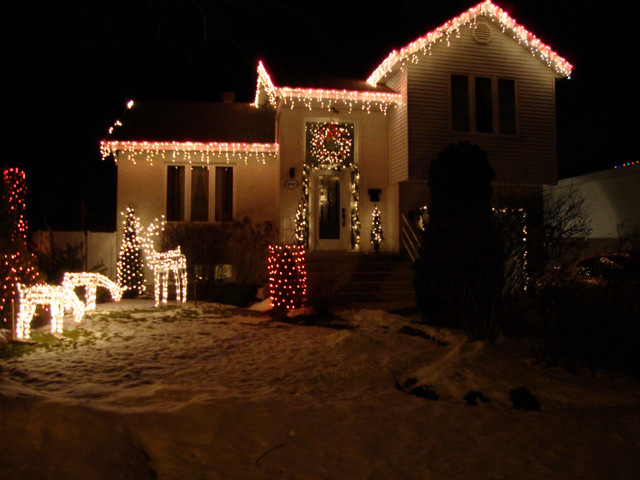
331	144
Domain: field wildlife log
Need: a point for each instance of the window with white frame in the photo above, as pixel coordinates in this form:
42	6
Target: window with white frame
191	189
483	104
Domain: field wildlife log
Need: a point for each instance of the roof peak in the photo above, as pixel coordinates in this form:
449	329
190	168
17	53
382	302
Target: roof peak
422	45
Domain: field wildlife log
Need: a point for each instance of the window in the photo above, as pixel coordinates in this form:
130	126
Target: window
175	193
460	103
199	194
224	194
189	193
483	105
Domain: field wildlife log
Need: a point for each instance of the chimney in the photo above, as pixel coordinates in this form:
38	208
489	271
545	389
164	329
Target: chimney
228	97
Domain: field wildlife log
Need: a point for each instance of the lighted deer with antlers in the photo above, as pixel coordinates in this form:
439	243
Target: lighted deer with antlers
162	263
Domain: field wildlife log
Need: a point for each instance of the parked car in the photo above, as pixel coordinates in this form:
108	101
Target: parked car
606	267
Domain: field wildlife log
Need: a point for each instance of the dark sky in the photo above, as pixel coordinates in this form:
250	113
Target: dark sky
71	66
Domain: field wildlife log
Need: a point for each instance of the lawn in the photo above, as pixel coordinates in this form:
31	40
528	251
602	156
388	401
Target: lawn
216	392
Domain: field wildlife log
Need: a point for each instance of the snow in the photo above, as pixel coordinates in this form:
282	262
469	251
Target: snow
214	392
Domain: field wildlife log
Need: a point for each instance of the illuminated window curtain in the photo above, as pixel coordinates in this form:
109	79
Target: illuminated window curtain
199	194
175	193
224	194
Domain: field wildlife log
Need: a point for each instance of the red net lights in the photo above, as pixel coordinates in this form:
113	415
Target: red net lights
287	276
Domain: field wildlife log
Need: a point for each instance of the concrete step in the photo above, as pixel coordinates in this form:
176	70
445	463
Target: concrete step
355	278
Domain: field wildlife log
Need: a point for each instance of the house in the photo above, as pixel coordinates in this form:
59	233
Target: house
316	159
611	203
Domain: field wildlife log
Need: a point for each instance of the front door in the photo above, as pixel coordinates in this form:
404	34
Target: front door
331	212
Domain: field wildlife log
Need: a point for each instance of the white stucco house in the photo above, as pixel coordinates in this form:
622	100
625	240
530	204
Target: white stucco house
329	152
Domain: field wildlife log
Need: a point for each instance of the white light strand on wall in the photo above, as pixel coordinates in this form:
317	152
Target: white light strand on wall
445	32
91	281
190	152
328	99
58	297
163	263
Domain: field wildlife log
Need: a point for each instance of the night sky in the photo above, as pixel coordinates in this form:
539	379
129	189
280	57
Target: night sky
71	66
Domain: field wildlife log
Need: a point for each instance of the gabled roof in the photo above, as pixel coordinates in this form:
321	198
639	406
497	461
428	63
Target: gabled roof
449	29
195	122
349	93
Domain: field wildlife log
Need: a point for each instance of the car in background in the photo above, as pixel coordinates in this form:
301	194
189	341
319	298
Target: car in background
605	267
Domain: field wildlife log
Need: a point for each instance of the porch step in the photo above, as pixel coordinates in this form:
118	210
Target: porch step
360	278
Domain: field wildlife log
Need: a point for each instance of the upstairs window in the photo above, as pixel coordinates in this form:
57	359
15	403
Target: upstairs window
483	105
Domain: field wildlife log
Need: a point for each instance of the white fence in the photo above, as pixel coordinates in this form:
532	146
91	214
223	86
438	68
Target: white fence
98	248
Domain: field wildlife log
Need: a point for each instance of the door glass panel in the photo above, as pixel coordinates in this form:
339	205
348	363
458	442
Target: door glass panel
329	225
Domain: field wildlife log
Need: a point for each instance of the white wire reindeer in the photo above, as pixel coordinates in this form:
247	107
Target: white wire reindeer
91	281
58	297
162	263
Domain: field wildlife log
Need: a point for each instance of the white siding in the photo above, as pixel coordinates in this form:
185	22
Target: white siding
527	158
397	133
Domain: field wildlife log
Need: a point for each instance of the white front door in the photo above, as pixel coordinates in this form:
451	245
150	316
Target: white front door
331	210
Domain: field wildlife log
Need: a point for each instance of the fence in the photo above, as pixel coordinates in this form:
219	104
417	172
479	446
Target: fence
98	248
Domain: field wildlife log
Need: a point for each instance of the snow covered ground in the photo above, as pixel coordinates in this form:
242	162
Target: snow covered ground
213	392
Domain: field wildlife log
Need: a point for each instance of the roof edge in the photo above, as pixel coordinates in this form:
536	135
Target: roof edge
444	32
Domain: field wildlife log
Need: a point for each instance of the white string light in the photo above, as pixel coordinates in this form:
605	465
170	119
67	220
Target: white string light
191	152
58	297
323	98
450	29
91	281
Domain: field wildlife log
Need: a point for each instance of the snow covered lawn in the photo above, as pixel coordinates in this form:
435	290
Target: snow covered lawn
215	392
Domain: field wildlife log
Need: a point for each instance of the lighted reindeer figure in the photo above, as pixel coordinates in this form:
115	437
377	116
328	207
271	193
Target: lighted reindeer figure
162	263
91	281
58	297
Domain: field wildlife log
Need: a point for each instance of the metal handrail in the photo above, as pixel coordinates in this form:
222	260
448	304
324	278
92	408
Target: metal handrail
410	239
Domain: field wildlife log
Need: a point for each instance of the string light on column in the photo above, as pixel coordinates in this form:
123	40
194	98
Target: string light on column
17	263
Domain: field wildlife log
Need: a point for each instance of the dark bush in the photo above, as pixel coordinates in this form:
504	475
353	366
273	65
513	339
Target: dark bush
239	295
459	273
592	326
242	245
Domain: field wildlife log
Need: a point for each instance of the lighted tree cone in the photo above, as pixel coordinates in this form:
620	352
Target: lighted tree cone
287	276
163	263
91	281
376	229
130	266
58	297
